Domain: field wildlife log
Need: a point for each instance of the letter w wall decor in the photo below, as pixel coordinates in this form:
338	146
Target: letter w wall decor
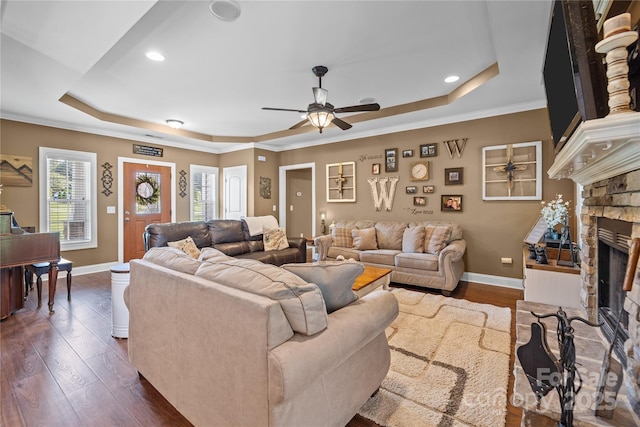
382	194
455	146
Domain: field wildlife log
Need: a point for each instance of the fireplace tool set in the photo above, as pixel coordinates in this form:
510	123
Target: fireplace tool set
545	372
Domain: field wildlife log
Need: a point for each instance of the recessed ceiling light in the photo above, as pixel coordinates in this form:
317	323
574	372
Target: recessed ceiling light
174	123
452	79
367	100
227	10
155	56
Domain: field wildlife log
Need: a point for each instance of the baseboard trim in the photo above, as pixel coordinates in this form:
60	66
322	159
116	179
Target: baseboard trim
487	279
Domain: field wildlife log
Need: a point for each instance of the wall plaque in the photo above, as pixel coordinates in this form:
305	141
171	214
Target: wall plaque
146	150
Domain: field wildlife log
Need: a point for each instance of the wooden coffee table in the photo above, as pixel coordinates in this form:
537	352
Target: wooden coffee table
371	279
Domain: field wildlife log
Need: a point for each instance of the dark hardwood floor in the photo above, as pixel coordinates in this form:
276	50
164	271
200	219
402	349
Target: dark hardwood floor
66	369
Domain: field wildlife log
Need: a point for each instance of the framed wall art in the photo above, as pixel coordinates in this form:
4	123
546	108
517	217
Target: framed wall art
375	169
512	171
452	202
412	189
419	201
454	176
391	160
428	150
341	182
428	189
407	153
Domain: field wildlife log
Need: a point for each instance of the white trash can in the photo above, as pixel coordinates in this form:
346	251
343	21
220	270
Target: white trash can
119	311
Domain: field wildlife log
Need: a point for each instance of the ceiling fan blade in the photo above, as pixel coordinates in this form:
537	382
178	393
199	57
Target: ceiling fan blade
356	108
284	109
341	123
320	95
299	124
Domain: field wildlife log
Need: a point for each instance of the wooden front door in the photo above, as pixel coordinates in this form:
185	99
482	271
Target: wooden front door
146	200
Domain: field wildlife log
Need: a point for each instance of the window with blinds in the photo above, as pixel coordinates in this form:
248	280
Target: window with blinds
204	186
67	193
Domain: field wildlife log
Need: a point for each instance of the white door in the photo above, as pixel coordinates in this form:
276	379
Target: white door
235	192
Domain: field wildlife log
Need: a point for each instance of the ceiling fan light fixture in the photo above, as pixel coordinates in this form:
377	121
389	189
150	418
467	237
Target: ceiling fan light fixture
174	123
320	118
226	10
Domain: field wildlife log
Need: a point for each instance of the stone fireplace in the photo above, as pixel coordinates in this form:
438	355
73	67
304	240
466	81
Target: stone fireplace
604	157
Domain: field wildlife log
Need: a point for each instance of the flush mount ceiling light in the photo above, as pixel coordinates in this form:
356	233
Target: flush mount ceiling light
452	79
173	123
155	56
227	10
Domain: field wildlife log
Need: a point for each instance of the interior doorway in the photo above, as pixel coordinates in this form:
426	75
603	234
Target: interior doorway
297	199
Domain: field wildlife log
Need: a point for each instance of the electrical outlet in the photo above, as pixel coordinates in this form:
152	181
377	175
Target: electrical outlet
506	260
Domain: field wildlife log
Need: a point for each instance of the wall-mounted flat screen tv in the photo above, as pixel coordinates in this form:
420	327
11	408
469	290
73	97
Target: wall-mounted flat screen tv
574	73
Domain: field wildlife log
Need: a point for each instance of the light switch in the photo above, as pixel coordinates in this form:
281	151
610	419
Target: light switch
111	209
291	208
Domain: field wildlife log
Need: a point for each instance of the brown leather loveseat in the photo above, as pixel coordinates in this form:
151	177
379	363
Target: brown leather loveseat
229	236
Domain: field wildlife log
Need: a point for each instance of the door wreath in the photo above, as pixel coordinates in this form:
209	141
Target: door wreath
147	190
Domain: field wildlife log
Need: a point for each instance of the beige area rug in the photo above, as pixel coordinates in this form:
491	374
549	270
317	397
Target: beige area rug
449	364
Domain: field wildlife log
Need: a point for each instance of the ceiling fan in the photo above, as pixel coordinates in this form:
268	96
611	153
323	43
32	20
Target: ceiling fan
321	113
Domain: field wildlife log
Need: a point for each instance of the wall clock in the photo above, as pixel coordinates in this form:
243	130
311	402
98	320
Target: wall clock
420	171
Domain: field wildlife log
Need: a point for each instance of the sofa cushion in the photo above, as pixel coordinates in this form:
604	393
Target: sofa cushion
275	239
301	302
172	258
334	278
417	261
160	234
225	231
380	256
233	248
389	234
456	230
436	238
413	239
212	255
364	239
348	253
341	237
359	224
187	246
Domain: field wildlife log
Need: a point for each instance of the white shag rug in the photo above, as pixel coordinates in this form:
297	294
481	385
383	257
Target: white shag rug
449	364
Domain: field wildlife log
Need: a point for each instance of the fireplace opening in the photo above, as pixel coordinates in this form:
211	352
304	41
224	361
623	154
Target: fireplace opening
613	253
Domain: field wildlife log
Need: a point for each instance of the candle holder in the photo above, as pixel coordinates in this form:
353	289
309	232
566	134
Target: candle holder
617	36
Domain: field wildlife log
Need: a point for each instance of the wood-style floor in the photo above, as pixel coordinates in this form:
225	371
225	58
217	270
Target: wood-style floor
65	369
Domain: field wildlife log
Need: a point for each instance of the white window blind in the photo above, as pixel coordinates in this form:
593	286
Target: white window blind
204	191
67	193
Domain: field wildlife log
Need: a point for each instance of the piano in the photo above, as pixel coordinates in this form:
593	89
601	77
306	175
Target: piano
17	249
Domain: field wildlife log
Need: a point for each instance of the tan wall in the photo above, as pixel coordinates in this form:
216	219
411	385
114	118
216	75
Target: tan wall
24	140
493	229
267	169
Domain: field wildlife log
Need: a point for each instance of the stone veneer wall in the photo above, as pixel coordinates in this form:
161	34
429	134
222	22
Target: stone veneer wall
614	198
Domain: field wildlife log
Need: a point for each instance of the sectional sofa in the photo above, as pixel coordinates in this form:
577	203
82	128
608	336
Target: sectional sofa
237	342
427	254
231	237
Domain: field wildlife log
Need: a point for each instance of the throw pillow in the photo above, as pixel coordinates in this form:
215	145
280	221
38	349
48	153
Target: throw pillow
275	239
364	239
173	259
413	239
188	246
436	238
335	280
301	302
341	237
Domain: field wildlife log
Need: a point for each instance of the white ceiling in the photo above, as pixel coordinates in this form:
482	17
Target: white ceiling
217	75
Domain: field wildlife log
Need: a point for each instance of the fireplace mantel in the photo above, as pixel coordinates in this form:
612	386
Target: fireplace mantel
600	149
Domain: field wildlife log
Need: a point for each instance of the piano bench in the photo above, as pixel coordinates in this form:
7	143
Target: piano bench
41	268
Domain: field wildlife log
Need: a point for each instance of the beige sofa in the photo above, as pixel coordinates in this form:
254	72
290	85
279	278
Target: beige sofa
236	342
427	254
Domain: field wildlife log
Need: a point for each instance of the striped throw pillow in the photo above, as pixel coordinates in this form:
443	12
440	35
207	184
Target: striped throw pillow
436	238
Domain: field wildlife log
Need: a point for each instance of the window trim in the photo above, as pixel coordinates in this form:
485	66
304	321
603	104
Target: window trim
206	169
84	156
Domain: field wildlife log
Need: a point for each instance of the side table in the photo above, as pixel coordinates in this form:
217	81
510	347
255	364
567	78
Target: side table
119	311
